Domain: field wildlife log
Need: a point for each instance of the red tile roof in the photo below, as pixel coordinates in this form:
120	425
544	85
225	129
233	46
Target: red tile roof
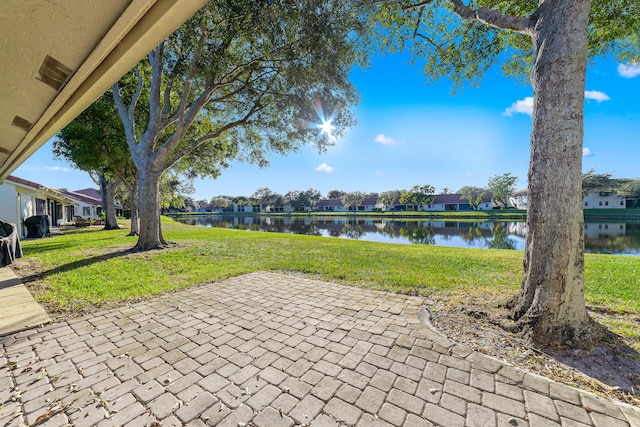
24	182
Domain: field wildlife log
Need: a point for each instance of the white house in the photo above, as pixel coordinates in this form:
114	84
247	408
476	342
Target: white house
602	199
518	200
87	207
455	202
330	205
21	199
246	208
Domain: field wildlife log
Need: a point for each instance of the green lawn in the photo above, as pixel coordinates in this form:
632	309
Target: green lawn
89	267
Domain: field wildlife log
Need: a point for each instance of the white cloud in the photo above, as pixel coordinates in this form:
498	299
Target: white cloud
596	95
629	71
586	152
379	173
523	106
325	168
385	140
55	169
469	173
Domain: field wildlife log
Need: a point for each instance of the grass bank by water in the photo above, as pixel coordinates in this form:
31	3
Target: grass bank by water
85	268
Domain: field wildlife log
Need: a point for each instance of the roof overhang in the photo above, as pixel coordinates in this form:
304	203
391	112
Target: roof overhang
56	58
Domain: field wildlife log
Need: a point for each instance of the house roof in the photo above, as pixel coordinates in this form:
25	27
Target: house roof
521	192
50	192
327	203
370	201
81	197
25	182
90	192
56	58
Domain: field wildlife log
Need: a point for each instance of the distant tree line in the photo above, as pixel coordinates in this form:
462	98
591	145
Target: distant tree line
500	186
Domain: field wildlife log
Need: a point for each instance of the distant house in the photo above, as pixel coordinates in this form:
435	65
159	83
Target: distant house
22	199
95	194
209	208
331	205
455	202
335	205
368	204
602	199
86	206
518	200
247	208
279	208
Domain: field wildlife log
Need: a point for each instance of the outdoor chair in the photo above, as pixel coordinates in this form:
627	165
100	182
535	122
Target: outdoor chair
78	221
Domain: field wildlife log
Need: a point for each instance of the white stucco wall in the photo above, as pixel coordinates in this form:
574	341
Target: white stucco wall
598	200
8	203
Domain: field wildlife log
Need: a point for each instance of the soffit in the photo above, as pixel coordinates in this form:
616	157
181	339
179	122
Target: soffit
94	41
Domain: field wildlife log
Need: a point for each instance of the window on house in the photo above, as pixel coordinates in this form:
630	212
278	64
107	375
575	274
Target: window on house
606	203
621	202
600	203
586	203
86	211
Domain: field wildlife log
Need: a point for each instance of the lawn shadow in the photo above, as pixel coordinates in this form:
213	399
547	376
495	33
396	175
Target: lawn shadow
46	247
76	264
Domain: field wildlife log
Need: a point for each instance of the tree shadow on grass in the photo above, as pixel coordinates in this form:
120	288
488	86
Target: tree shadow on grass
39	275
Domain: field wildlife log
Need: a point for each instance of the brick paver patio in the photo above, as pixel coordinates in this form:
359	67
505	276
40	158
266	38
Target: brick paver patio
272	350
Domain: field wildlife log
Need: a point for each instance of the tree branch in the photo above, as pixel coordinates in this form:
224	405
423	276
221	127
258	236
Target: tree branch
155	115
126	121
134	100
418	5
257	106
186	91
493	18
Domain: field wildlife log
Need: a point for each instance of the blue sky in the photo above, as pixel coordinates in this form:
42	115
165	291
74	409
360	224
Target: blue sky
411	133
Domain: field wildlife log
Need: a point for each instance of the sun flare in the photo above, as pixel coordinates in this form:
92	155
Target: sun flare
326	127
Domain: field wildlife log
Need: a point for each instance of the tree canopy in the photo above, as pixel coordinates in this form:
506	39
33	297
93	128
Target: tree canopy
501	186
353	199
240	78
418	195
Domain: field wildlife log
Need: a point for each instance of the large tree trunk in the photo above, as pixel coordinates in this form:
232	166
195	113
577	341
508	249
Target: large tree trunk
133	206
149	191
107	193
110	221
551	305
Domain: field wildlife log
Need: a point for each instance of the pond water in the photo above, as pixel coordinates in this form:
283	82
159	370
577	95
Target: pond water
600	237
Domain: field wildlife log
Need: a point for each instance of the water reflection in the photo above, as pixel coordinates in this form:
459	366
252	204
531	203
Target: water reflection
446	233
612	238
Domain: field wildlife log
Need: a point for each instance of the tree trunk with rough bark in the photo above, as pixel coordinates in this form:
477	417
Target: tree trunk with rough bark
133	206
107	192
150	236
551	306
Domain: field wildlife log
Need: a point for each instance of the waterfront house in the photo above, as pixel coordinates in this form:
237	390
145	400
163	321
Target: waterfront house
455	202
518	200
602	199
